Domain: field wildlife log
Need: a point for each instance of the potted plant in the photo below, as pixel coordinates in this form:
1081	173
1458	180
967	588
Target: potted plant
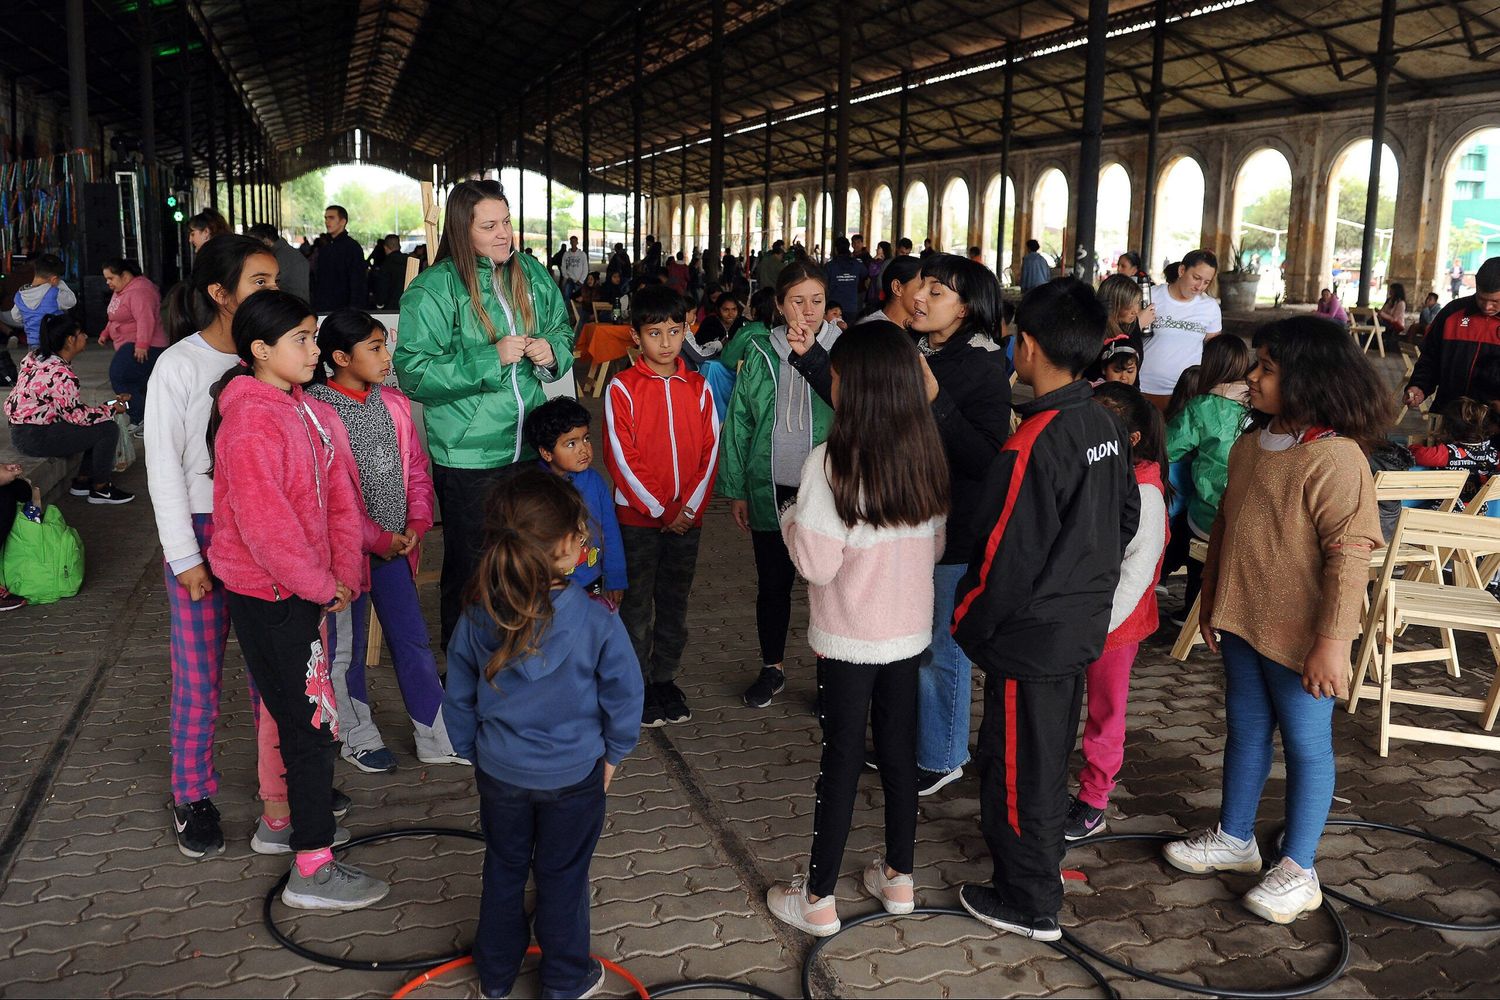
1240	282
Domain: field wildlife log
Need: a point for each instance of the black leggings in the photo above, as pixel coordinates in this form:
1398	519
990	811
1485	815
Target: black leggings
775	575
848	695
64	440
1176	556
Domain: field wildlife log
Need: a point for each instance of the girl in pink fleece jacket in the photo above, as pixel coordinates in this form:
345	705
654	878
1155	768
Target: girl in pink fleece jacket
865	531
288	527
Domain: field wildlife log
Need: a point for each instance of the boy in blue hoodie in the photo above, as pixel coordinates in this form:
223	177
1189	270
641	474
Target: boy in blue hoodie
559	431
544	695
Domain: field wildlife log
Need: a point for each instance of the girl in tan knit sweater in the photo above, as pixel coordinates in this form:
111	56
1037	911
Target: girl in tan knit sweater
1287	565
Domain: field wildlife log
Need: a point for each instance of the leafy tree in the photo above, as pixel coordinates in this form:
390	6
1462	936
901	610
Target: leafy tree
302	203
1347	239
1271	210
1464	240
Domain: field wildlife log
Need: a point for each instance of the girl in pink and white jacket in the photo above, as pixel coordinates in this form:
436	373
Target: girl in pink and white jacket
865	531
397	493
288	527
1132	617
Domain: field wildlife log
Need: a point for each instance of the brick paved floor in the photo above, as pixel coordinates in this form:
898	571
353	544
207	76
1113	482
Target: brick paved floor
95	900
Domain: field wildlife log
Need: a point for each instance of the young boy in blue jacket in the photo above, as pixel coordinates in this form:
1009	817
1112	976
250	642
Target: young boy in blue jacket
559	431
544	695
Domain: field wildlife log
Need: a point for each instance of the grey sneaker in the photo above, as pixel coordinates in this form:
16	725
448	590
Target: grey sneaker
268	841
335	886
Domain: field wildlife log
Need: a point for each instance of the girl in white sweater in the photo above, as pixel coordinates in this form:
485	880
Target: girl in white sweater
226	270
865	531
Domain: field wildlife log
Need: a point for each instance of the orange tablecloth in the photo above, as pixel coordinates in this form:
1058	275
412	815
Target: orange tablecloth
601	343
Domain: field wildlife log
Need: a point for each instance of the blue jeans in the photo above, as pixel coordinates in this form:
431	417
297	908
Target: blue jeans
552	834
1261	695
126	374
943	684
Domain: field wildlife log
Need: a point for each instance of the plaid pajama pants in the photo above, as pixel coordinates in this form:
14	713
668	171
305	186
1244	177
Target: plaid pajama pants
200	630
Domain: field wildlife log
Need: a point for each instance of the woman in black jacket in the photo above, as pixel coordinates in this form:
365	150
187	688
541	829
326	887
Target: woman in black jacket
969	389
957	308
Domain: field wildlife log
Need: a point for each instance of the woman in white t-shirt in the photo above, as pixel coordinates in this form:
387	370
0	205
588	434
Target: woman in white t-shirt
1185	317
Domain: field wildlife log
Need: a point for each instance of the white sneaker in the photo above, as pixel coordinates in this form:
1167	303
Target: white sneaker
876	883
447	758
790	905
1284	894
1212	851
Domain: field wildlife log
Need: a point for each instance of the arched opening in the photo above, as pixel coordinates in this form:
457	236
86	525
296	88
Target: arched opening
736	241
799	220
1471	211
953	218
823	249
689	233
991	244
778	221
880	216
757	225
703	227
1112	221
1179	213
914	226
1348	182
1049	212
851	214
1262	211
675	236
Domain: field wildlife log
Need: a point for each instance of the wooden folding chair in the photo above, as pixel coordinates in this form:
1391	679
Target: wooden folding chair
1190	634
1440	486
604	312
1363	323
1463	605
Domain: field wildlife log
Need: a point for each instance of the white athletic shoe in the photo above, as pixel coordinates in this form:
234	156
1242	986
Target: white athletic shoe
789	904
1284	894
876	883
1212	851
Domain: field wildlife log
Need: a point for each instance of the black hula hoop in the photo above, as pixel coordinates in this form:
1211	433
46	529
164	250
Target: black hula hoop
727	985
355	965
1302	989
1433	838
935	911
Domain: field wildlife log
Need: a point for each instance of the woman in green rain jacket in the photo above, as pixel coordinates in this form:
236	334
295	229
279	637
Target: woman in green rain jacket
480	331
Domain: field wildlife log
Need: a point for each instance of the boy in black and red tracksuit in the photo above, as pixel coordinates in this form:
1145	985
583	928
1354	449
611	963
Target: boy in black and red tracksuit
1462	341
1055	514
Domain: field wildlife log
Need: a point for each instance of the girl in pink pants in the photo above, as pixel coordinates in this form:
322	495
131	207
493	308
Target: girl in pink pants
1132	617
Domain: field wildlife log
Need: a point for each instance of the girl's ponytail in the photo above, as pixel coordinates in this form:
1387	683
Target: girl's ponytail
530	516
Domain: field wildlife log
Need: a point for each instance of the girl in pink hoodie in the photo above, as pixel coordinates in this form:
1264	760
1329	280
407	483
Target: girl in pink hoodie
865	531
288	528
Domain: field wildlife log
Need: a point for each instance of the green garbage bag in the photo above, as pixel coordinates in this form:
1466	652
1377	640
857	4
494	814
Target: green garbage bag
43	562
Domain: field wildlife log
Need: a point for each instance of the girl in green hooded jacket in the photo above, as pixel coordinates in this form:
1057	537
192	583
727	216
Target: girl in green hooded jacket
480	331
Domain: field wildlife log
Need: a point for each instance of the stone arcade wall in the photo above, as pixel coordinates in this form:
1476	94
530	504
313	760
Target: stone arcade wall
1422	135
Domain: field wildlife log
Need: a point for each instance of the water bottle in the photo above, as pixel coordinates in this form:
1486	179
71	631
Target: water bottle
1145	284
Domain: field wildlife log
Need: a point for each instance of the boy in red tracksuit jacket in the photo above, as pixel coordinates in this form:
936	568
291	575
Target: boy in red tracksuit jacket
1055	513
663	451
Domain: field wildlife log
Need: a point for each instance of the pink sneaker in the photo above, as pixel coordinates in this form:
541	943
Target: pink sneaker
884	889
790	905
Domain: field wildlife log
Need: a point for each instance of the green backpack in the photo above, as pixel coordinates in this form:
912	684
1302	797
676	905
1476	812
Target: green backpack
43	562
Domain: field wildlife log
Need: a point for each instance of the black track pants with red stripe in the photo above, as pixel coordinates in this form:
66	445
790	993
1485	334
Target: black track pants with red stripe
1025	742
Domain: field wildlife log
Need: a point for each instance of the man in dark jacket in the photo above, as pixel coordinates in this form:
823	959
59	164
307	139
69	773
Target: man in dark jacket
1032	611
844	271
1463	338
339	275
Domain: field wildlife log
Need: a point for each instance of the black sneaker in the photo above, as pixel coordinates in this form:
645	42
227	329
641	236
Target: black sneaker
81	487
197	828
674	706
652	715
769	684
341	804
929	782
1083	821
983	904
110	495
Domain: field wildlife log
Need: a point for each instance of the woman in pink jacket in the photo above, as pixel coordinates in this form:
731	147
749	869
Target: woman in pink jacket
135	329
287	545
397	493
